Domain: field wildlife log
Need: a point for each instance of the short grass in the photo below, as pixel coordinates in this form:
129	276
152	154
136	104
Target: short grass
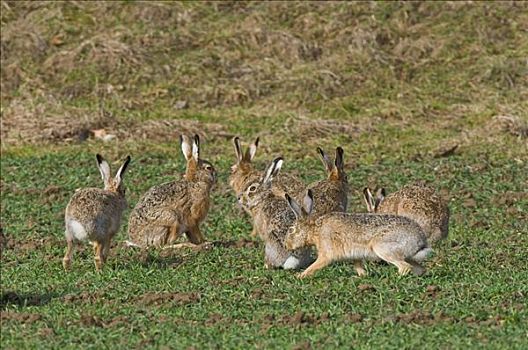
395	84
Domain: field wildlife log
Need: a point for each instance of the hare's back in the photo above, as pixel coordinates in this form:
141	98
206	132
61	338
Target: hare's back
90	202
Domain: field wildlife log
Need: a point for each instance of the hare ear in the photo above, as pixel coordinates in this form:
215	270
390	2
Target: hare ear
104	168
121	171
369	201
308	202
196	148
295	207
252	150
238	148
326	161
380	196
339	162
186	146
273	170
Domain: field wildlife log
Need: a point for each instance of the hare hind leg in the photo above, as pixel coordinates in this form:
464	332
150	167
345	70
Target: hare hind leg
66	261
98	255
417	268
391	254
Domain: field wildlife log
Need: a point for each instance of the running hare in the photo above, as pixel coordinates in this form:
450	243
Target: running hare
95	214
357	237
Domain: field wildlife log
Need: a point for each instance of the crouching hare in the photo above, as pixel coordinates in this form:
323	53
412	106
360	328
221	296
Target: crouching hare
95	214
167	211
418	202
357	237
271	220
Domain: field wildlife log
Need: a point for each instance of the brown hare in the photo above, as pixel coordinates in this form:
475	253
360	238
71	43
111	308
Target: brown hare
167	211
95	214
418	202
272	219
342	236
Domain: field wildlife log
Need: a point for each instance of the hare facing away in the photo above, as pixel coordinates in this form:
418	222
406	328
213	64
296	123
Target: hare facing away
168	210
244	173
418	202
342	236
272	219
95	214
331	194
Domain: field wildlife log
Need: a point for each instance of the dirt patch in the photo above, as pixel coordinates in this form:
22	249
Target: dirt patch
152	298
432	291
354	318
91	321
419	317
298	319
22	317
83	298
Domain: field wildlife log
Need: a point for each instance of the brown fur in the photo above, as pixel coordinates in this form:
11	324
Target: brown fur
271	220
98	212
168	210
243	174
331	194
420	203
357	237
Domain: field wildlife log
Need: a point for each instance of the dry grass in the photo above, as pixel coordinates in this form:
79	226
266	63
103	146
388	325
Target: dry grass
328	67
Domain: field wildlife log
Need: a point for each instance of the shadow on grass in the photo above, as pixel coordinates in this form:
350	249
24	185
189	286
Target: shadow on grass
23	300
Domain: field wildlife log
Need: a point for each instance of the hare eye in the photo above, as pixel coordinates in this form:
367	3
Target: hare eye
252	188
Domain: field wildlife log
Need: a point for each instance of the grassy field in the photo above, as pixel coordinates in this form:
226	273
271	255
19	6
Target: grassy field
411	91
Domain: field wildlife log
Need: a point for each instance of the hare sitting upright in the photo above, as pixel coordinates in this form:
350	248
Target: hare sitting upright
95	214
331	194
244	173
168	210
341	236
418	202
272	219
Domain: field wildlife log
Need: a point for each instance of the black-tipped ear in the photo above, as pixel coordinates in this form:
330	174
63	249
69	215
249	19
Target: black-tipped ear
252	150
308	202
380	196
273	169
369	201
295	207
326	161
238	148
121	171
339	162
196	147
104	168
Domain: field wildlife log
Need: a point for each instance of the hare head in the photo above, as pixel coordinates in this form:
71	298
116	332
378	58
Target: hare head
335	169
114	184
255	192
243	166
299	234
198	170
371	202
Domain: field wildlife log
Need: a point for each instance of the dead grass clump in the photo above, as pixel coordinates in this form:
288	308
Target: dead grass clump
108	51
317	129
512	125
164	130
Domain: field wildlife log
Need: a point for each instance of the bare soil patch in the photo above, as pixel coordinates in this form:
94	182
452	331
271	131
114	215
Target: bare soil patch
22	317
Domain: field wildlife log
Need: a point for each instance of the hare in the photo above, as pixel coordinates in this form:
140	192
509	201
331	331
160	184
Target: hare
244	173
418	202
331	193
168	210
272	219
95	214
338	236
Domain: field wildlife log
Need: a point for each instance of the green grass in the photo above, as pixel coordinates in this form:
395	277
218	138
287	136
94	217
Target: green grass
395	84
